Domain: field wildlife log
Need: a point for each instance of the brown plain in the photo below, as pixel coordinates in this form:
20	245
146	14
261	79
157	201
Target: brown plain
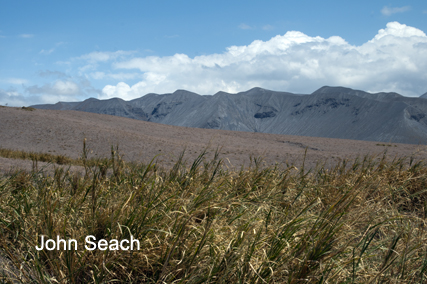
63	132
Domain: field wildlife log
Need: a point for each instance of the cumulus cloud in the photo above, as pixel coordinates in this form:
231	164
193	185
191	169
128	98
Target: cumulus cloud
396	30
388	11
394	60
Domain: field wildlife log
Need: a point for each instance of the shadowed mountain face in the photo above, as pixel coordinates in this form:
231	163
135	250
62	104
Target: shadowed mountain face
332	112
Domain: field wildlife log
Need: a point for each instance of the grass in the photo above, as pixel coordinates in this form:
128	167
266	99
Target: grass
28	108
363	221
385	145
38	157
48	158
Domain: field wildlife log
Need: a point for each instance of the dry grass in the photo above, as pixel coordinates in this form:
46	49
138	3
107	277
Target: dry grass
363	221
37	157
48	158
28	108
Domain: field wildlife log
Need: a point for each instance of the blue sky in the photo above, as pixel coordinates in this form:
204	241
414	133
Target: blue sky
54	51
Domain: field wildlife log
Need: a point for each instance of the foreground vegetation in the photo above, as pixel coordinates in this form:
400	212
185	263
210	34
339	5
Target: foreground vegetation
363	221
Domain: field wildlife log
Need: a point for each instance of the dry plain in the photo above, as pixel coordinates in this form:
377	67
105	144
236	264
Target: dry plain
63	132
328	217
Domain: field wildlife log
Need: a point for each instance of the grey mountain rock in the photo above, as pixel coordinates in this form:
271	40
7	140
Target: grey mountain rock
59	106
333	112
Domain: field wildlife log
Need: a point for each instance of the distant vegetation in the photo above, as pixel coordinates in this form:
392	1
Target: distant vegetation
40	157
363	221
386	145
49	158
28	108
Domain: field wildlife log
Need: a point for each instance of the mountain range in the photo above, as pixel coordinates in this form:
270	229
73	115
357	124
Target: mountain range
332	112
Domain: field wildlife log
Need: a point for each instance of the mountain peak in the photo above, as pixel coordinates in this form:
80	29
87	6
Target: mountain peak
381	96
256	89
221	93
333	89
91	99
181	92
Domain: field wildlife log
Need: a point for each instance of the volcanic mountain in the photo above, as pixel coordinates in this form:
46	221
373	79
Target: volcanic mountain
332	112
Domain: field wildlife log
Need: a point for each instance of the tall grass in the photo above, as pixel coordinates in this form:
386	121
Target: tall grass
363	221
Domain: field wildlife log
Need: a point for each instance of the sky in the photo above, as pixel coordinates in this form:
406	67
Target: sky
54	51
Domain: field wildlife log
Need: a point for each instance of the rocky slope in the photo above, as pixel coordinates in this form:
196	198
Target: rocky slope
332	112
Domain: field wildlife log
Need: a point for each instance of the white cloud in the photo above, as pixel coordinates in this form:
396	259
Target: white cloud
394	60
95	58
60	88
116	76
12	98
16	99
244	26
268	27
103	56
395	29
63	90
49	73
388	11
14	81
51	50
26	35
43	51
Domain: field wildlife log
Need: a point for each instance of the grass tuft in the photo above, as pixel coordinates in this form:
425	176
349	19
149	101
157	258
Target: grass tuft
28	108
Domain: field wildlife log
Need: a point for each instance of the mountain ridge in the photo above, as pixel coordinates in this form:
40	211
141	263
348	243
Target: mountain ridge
330	112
